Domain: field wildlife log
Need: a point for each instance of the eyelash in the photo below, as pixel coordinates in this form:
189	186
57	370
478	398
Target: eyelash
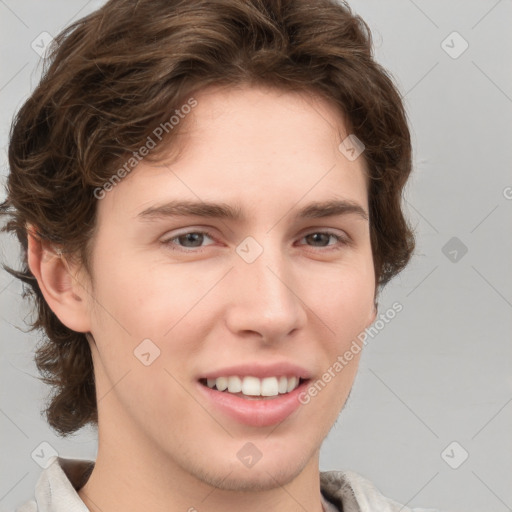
340	239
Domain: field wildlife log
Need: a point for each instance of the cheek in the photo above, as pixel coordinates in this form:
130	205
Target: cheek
136	300
345	308
343	298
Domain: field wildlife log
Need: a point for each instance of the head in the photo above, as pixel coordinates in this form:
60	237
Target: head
186	205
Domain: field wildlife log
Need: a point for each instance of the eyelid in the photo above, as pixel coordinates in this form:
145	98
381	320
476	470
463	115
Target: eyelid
324	229
168	240
342	239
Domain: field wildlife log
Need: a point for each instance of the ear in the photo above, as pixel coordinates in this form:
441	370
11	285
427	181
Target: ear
58	282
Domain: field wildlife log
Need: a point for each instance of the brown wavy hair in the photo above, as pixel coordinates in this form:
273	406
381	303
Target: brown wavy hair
115	75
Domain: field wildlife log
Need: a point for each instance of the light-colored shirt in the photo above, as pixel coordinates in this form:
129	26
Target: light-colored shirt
346	491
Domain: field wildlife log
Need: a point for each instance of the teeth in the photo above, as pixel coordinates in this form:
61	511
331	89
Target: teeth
269	387
234	384
252	386
221	383
292	384
282	387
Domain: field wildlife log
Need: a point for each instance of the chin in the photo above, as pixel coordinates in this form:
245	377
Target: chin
265	475
253	480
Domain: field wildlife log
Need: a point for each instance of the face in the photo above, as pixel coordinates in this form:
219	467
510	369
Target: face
244	263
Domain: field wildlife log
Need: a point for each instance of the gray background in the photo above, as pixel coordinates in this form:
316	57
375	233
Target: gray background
440	371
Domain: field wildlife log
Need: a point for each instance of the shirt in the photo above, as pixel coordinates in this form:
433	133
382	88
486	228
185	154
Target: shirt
341	491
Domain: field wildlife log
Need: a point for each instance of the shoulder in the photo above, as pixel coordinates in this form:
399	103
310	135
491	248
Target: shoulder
352	492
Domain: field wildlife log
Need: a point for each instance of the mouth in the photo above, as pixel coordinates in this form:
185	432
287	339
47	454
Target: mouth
254	401
254	388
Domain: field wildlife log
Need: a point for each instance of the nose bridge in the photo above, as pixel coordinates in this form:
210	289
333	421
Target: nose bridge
264	298
271	275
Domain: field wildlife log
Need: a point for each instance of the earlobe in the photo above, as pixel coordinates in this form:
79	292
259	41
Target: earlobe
58	283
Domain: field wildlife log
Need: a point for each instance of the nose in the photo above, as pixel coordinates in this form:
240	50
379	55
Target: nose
265	300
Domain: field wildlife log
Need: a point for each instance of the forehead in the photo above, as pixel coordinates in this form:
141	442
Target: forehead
262	117
250	145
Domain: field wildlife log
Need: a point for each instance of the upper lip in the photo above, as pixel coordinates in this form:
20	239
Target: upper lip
259	370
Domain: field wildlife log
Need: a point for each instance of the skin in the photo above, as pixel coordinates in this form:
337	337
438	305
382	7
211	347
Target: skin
162	446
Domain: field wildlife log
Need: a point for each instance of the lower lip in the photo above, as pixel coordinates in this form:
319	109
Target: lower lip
261	412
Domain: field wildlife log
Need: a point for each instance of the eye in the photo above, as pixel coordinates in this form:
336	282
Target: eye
189	240
324	239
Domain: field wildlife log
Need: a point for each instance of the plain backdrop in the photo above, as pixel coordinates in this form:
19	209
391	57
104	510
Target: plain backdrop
430	415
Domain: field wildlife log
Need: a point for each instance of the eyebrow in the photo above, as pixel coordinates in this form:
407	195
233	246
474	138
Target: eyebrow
330	208
315	210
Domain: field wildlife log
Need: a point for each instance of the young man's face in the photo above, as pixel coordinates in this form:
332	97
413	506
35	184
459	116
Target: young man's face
269	292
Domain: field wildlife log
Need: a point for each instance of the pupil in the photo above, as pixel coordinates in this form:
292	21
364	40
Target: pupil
191	239
319	238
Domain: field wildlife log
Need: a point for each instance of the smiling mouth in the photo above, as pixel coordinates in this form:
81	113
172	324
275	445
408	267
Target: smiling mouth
254	388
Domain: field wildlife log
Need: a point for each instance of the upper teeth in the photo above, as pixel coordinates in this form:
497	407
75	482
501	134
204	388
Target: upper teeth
252	386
